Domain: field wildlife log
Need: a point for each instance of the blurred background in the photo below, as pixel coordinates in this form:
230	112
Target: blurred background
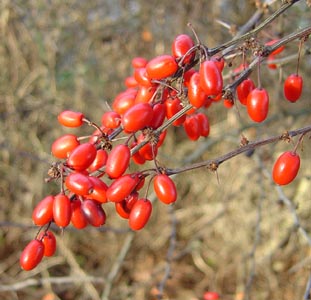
236	236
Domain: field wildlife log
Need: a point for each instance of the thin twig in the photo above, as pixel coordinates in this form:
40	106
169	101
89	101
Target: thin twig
51	280
251	146
252	271
247	35
117	265
307	295
170	252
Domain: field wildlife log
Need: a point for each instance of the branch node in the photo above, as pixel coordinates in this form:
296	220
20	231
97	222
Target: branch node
286	137
243	141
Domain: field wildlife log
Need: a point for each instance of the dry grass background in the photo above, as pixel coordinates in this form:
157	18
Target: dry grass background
229	235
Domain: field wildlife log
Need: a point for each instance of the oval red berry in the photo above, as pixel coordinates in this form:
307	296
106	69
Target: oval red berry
258	104
165	188
161	67
140	214
286	168
32	255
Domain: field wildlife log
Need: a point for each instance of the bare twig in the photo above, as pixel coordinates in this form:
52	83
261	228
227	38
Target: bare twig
51	280
252	271
251	146
307	295
117	265
170	252
247	35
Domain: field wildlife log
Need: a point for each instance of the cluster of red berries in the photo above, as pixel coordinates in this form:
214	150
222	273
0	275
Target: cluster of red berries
95	171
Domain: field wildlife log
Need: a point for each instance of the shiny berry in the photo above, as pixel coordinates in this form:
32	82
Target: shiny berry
70	118
43	212
61	210
161	67
286	168
293	87
82	157
49	241
140	214
78	183
32	255
118	161
258	104
210	78
64	145
137	117
165	188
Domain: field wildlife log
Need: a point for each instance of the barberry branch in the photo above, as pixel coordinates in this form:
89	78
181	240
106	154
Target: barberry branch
242	149
251	33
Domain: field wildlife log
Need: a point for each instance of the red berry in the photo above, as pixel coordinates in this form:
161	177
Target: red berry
271	64
78	218
286	168
204	124
78	183
210	296
243	89
148	151
220	62
62	147
137	117
258	104
181	45
124	101
99	161
210	78
61	210
196	94
276	51
140	214
228	103
43	212
70	118
32	255
158	115
99	190
142	78
94	213
118	161
122	187
187	76
173	106
293	87
139	62
165	188
137	157
130	82
111	119
124	207
49	241
145	94
161	67
82	157
192	127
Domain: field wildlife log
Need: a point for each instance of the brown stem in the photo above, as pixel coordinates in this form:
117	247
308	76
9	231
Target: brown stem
247	35
250	146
